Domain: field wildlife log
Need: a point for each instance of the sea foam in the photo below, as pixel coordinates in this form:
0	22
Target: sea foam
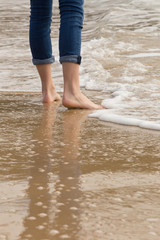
109	116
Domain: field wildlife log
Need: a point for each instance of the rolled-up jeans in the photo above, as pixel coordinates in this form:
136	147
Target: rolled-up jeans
71	24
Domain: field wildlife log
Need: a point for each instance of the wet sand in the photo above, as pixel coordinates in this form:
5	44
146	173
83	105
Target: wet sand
67	176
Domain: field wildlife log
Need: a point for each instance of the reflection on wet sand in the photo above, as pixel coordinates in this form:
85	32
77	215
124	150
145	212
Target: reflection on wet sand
69	175
54	194
65	176
37	222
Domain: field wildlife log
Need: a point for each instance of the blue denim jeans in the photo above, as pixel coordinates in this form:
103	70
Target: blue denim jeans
71	23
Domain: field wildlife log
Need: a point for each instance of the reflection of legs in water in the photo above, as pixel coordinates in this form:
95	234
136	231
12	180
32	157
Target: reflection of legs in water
72	125
55	204
36	224
68	219
71	16
48	120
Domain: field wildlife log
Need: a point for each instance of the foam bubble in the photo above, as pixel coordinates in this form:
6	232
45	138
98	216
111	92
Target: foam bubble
54	232
42	215
74	208
64	236
39	203
40	227
40	188
32	218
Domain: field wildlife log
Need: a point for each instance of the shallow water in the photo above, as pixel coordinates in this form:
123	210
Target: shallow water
66	176
122	49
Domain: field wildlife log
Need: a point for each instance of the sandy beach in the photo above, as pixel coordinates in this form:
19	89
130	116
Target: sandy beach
67	176
63	174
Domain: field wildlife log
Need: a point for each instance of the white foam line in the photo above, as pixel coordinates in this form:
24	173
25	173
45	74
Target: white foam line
141	55
106	115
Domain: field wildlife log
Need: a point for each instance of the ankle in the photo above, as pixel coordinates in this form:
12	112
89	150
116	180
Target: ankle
71	90
48	89
69	97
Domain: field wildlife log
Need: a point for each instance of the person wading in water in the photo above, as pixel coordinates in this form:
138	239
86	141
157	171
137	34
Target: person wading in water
71	23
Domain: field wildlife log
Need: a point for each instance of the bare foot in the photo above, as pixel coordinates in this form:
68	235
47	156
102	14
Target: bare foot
79	101
50	96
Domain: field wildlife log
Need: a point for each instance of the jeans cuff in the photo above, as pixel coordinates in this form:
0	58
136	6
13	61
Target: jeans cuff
71	58
43	61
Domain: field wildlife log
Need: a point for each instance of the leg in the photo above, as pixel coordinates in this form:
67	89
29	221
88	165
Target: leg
48	89
72	97
40	44
71	13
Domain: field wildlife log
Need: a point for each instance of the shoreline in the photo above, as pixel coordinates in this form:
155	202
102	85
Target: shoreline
94	112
